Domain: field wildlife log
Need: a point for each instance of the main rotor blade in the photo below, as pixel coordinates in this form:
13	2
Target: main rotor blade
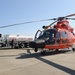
52	23
39	21
25	23
70	15
71	18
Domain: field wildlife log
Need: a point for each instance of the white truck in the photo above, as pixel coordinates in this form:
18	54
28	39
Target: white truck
16	41
2	42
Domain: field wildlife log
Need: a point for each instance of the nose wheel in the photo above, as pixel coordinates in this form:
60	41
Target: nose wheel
35	49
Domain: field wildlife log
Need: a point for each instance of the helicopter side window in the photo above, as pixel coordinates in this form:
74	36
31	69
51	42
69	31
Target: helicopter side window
64	35
58	37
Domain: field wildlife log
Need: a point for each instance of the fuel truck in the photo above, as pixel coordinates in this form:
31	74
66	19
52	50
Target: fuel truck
15	41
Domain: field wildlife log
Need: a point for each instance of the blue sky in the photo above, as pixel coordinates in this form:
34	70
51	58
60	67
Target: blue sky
17	11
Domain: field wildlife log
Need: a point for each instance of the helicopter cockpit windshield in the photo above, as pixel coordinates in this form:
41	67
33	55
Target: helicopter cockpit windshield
50	33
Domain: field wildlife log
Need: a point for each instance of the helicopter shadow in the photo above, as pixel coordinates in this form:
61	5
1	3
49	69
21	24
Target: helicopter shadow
35	55
56	65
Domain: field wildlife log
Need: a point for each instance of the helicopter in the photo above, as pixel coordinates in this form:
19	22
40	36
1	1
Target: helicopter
55	36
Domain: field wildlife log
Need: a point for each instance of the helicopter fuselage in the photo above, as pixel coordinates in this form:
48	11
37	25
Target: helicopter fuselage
59	37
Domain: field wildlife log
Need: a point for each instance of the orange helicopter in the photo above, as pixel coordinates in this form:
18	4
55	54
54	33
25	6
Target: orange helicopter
58	36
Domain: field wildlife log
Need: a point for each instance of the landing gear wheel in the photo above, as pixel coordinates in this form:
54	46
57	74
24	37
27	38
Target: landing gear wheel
43	52
57	50
35	49
73	49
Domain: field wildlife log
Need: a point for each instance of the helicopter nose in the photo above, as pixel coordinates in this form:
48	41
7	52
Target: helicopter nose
37	44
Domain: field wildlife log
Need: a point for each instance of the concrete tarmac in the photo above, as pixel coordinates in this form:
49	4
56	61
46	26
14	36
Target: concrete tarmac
24	62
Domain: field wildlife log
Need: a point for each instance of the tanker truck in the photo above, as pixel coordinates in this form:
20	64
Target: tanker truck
17	41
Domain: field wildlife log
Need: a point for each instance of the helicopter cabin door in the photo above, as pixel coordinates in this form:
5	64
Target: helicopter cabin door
58	38
63	40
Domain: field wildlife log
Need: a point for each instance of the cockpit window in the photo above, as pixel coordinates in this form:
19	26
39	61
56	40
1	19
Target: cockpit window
48	34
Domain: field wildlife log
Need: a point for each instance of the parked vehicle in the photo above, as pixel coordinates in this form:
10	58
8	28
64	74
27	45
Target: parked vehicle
15	41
